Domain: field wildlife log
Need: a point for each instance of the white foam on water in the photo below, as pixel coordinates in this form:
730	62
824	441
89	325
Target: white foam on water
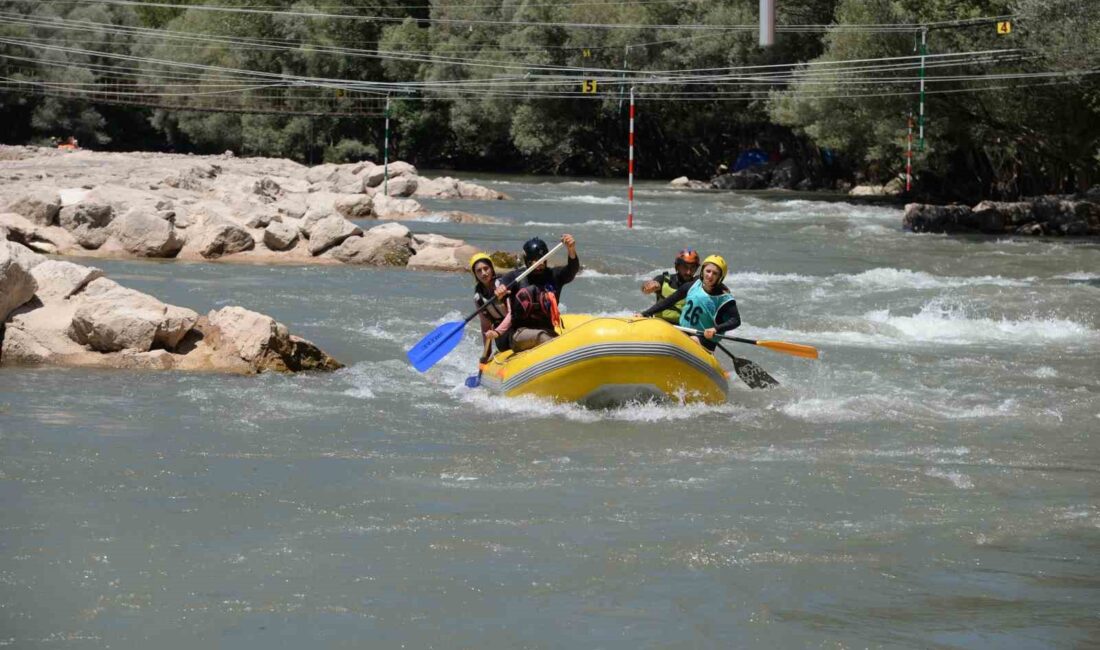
900	408
1043	372
1079	276
943	324
534	407
590	273
958	479
587	199
895	279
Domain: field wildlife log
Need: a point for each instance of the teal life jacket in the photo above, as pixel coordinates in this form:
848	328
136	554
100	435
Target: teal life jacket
700	307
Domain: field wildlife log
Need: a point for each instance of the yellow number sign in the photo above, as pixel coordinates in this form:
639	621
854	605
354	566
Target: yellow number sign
588	86
587	53
1004	27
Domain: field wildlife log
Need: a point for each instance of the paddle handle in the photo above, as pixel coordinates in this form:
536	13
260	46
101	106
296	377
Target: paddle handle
795	349
530	268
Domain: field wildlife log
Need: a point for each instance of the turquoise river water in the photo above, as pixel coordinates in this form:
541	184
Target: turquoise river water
931	482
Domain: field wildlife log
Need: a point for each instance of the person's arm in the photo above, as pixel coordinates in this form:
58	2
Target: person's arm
505	324
671	301
732	318
486	323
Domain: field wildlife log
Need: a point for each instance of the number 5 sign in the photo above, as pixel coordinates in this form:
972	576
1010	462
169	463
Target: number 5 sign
588	86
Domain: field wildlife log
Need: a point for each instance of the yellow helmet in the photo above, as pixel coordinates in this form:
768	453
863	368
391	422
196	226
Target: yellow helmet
478	257
718	261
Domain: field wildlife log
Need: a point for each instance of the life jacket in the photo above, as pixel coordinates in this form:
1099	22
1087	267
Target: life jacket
700	307
537	307
672	314
496	311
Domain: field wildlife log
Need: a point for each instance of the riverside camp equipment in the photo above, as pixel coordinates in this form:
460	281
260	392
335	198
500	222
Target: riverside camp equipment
444	338
602	361
795	349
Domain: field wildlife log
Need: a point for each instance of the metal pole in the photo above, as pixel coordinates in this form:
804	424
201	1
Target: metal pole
767	23
630	167
386	153
909	155
923	53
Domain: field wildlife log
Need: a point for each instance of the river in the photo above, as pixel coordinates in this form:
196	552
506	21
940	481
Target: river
931	481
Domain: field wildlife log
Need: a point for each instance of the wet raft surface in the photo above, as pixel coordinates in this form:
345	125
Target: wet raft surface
931	481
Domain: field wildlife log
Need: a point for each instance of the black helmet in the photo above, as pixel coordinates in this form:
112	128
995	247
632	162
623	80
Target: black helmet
534	249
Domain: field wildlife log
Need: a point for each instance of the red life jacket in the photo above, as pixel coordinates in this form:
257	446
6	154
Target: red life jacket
535	307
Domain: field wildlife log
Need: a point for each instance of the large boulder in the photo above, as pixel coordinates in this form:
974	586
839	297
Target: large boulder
354	206
388	207
17	284
375	176
280	236
216	238
111	317
39	205
57	280
402	186
146	235
40	239
685	183
385	245
753	178
329	232
441	258
786	174
88	222
248	341
919	217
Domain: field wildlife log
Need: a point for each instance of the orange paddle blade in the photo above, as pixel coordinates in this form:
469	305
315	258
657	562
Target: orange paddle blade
797	349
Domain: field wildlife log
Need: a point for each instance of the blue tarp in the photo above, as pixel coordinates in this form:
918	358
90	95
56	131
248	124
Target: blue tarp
750	157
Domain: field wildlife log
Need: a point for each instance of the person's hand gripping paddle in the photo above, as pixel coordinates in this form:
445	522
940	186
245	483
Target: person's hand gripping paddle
439	343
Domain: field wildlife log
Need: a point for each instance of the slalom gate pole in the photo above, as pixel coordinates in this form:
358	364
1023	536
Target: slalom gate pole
909	155
386	153
923	54
630	167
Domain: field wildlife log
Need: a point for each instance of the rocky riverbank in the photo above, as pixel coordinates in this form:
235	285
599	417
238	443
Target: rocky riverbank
254	210
57	313
1075	216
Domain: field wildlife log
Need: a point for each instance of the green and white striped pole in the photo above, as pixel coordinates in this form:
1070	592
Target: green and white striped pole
386	153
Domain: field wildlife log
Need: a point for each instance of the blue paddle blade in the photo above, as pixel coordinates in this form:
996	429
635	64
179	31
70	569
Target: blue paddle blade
436	345
473	381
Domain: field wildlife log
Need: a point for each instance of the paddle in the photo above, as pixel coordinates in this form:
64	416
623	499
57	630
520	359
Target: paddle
473	381
796	349
444	338
750	373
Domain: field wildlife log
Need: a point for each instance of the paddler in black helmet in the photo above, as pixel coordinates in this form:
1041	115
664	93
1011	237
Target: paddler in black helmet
534	301
496	319
664	285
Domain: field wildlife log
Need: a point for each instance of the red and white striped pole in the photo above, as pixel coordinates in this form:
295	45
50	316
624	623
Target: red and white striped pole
630	167
909	156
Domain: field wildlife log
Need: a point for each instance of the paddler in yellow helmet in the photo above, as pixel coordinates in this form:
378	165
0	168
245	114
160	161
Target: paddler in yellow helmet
496	319
708	304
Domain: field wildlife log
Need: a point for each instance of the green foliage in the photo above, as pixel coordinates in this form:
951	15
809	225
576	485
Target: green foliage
1007	138
350	150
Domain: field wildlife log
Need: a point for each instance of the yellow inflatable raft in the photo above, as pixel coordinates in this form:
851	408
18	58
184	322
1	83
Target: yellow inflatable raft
603	361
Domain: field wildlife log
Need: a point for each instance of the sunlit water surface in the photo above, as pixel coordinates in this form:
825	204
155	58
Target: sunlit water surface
932	481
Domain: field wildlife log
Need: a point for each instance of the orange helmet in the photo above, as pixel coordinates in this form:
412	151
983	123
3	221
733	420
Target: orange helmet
687	256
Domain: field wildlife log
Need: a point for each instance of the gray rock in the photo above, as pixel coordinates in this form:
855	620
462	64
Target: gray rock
17	284
329	232
57	280
111	317
146	235
219	238
39	205
377	247
280	236
88	222
267	189
354	206
938	218
402	186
